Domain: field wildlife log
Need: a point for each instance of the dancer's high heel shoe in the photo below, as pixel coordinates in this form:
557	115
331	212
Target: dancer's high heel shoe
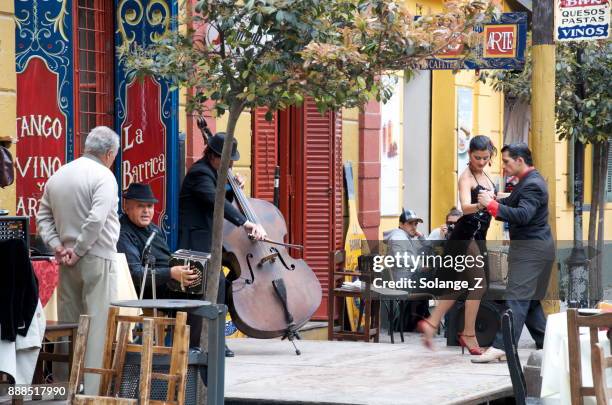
474	351
422	327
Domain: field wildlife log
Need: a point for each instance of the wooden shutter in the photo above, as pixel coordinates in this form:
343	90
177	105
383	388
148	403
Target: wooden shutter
264	154
322	193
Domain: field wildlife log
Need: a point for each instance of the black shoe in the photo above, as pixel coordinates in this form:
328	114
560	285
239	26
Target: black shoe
228	352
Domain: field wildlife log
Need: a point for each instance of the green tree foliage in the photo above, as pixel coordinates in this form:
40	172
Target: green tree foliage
273	53
239	54
584	115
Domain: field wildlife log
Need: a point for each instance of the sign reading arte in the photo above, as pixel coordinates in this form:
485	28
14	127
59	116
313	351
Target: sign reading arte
41	135
503	47
579	20
143	141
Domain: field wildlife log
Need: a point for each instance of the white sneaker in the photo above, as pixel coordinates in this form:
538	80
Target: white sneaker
490	355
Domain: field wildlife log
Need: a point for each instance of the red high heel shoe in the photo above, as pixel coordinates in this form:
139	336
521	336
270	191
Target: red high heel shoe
421	327
474	351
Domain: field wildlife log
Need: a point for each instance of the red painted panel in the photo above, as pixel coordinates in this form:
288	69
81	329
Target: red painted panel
319	182
265	154
369	169
143	141
41	133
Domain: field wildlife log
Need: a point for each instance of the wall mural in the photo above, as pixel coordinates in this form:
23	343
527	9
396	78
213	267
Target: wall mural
146	111
44	124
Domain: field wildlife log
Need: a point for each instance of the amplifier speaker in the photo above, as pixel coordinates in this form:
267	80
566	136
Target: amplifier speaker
488	322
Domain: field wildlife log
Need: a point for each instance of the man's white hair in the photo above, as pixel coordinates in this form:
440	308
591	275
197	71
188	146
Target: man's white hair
101	140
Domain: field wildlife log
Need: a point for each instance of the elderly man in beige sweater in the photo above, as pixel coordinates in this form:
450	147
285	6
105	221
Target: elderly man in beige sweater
78	219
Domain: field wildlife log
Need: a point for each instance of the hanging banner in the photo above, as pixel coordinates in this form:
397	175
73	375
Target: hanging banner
44	98
146	112
582	20
503	47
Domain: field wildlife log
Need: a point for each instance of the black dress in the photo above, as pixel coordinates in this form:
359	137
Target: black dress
475	225
470	227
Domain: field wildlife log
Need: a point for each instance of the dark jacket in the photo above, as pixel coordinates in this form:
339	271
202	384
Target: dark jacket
132	240
196	204
526	211
18	290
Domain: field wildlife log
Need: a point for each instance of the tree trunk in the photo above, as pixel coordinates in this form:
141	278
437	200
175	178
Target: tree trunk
592	243
212	287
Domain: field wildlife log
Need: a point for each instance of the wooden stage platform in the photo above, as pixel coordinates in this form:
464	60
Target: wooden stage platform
269	372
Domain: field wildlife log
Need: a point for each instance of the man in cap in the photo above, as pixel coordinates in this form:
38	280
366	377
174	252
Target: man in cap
196	205
405	238
136	227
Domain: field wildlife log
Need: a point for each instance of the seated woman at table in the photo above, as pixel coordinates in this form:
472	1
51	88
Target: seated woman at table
136	227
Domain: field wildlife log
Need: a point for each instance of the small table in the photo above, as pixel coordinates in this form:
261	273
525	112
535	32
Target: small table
555	360
214	314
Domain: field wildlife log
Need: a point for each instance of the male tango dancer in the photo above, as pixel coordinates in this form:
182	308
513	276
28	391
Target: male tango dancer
532	249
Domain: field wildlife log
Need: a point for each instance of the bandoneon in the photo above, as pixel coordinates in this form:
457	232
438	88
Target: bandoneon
198	263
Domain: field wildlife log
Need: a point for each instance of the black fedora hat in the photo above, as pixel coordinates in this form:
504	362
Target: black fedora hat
215	143
140	192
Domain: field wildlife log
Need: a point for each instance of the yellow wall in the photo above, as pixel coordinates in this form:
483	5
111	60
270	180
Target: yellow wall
488	107
391	221
8	95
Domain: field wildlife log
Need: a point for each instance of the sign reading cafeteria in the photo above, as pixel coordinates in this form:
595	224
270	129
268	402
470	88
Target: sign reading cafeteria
503	47
580	20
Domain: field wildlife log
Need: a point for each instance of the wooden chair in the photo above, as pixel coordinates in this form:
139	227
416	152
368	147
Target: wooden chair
599	362
369	309
603	393
115	349
54	331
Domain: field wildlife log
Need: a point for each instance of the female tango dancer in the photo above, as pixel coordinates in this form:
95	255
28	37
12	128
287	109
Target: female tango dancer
468	238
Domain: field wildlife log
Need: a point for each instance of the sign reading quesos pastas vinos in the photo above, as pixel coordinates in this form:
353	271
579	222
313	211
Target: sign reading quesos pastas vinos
582	20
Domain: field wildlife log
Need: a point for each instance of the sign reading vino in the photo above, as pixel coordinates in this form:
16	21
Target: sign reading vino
41	136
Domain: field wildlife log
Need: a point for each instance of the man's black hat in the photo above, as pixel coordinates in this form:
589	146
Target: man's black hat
215	143
140	192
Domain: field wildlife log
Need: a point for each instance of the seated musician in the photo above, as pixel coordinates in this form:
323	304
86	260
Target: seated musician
136	227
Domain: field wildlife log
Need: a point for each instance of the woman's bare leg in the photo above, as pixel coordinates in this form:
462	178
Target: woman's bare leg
472	304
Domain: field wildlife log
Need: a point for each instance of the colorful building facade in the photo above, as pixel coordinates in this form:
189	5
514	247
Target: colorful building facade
61	75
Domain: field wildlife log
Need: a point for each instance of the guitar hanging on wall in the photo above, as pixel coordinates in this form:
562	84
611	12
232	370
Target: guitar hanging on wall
355	243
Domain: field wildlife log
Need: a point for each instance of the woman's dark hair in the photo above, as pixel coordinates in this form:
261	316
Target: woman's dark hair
454	212
482	143
517	150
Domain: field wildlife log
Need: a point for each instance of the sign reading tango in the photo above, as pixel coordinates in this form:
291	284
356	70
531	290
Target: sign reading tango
581	20
41	133
503	47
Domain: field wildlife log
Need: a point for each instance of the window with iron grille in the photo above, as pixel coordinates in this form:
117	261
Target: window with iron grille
94	61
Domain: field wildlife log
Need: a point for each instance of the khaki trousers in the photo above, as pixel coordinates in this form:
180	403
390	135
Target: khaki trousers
88	288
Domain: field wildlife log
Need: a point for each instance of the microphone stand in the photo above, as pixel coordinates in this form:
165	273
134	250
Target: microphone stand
149	262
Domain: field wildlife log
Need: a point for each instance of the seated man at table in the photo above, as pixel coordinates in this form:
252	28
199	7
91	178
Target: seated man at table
136	227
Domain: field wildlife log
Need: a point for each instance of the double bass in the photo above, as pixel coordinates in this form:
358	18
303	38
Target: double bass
272	294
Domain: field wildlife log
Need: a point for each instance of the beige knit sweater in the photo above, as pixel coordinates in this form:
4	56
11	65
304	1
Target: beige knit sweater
79	209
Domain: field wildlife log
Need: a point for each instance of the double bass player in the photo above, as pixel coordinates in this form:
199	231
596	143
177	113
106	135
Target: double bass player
196	206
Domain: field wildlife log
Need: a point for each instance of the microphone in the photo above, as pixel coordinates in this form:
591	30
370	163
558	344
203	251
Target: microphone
150	240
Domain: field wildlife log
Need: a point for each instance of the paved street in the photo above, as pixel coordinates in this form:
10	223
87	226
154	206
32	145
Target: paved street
360	373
